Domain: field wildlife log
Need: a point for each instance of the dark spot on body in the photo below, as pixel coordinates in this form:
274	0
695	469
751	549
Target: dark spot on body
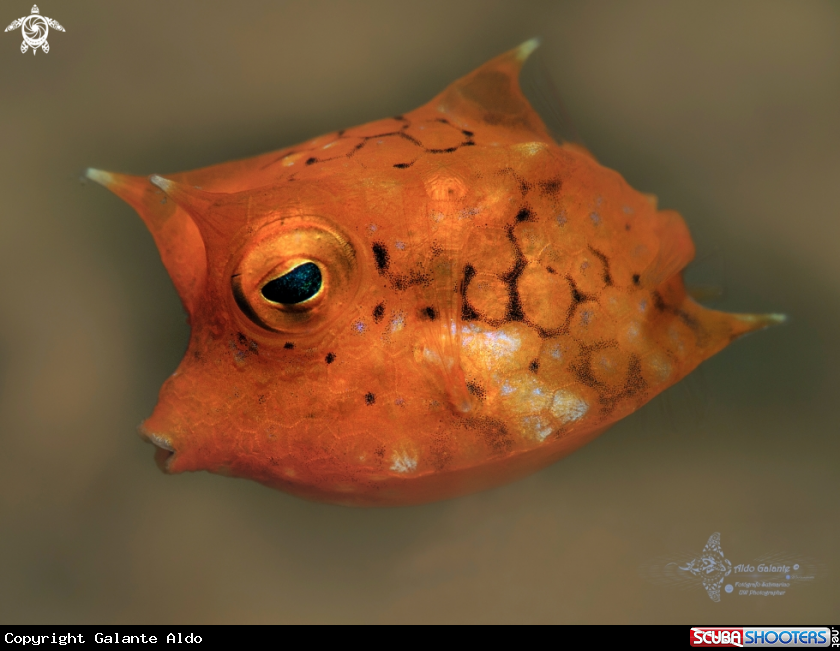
658	303
378	312
380	254
606	262
514	311
330	358
403	166
550	270
429	312
369	398
467	311
550	188
496	436
524	186
534	366
468	134
379	451
577	297
288	345
401	282
635	382
524	214
311	161
636	278
476	389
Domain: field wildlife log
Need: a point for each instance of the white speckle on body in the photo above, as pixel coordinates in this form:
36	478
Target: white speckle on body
400	245
431	355
677	339
567	407
660	367
530	148
496	343
359	327
289	160
403	462
397	322
535	427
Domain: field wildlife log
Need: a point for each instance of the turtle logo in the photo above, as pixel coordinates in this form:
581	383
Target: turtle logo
35	28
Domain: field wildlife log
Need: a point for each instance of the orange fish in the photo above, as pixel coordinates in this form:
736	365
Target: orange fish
419	307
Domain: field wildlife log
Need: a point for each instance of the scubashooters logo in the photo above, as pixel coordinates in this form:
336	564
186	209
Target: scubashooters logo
35	28
795	636
771	575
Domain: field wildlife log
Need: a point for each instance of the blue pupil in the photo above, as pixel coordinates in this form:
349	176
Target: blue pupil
300	284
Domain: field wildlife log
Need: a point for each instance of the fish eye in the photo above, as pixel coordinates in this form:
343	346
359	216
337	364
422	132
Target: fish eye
299	285
295	275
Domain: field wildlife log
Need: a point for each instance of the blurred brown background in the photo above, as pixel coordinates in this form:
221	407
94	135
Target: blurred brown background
729	111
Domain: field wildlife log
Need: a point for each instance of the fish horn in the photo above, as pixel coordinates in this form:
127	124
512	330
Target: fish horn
491	94
198	203
742	324
178	240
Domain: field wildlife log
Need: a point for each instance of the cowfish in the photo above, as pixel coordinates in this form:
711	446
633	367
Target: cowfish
417	308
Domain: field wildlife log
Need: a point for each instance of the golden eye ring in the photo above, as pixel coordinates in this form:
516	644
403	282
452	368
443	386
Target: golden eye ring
295	275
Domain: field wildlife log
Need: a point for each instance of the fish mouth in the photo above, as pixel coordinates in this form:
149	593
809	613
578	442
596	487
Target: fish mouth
164	451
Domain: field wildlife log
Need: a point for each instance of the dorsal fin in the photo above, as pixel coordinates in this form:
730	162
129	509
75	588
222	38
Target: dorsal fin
676	249
491	94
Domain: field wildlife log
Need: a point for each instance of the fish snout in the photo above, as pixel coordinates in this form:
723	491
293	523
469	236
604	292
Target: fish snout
164	448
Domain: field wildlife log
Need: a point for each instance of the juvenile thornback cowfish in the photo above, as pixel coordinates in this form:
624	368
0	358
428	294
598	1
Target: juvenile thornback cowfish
419	307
